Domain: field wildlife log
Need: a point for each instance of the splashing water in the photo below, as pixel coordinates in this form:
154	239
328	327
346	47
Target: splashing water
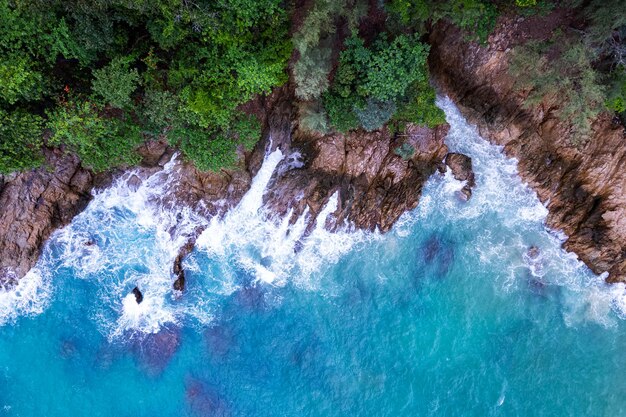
448	314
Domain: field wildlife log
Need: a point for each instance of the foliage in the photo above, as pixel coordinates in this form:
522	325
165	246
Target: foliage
373	84
405	151
20	141
313	117
313	42
311	73
375	113
100	142
340	112
135	66
419	107
159	111
568	78
525	3
114	84
616	100
476	17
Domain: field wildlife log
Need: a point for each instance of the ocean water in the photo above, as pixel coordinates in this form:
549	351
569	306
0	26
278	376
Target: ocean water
446	315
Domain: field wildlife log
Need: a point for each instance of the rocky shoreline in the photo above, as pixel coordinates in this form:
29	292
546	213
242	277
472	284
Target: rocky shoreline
376	183
584	187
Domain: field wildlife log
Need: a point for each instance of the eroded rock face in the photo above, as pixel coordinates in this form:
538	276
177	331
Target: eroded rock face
585	186
374	184
461	167
35	203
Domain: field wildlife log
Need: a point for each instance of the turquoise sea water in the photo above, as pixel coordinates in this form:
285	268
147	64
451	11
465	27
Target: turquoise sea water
446	315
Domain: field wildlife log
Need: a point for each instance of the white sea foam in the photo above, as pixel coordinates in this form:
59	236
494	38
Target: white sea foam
501	198
29	297
271	249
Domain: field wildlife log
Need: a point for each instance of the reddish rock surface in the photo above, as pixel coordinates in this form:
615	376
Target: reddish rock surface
585	186
374	184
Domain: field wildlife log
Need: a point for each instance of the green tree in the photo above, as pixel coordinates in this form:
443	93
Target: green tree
114	84
20	141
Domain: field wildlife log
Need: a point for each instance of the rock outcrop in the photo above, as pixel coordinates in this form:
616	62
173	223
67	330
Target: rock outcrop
35	203
461	167
584	187
374	181
375	185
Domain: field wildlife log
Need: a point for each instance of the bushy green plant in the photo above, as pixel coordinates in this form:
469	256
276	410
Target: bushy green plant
375	113
340	112
567	77
311	73
405	151
20	141
419	107
313	117
100	142
372	84
313	42
616	100
114	84
159	110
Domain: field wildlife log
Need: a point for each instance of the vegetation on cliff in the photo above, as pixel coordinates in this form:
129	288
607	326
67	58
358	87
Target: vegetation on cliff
99	77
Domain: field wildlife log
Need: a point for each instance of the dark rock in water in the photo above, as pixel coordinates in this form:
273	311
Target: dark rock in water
533	253
90	242
446	259
155	350
134	182
68	349
205	400
138	295
461	167
266	261
465	193
536	285
220	340
251	297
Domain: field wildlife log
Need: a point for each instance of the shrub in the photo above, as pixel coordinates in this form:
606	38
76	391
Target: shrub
568	77
419	107
115	83
375	113
100	142
159	111
20	141
311	73
340	112
19	81
405	151
313	117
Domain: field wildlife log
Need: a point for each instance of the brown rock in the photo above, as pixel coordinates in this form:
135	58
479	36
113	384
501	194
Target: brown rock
585	186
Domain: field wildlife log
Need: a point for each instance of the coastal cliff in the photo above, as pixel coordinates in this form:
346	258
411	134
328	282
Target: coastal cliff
375	184
583	186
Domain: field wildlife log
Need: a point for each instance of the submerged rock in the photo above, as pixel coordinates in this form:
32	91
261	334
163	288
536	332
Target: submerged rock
155	350
205	400
220	339
438	254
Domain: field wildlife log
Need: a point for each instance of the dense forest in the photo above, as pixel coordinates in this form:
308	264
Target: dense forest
99	77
